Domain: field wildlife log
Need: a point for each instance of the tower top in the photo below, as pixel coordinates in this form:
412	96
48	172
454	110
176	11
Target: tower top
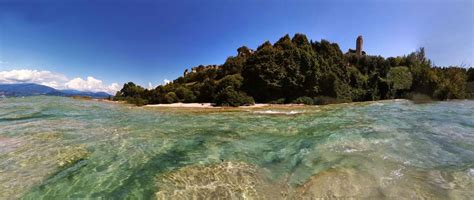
359	43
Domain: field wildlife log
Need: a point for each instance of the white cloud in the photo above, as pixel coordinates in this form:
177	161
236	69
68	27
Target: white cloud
31	76
166	81
91	84
56	80
113	88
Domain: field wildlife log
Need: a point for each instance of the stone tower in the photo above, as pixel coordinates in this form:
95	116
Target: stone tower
359	44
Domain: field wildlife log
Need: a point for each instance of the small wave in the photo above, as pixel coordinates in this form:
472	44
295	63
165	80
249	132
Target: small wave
350	150
20	117
397	173
276	112
376	104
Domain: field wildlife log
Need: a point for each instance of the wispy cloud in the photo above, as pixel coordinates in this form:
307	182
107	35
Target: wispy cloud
57	80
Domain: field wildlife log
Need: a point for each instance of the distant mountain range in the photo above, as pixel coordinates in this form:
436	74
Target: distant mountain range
32	89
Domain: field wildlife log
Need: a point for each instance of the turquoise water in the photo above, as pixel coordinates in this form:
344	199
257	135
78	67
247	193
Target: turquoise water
56	148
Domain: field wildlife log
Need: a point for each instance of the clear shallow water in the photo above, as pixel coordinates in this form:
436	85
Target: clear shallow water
54	147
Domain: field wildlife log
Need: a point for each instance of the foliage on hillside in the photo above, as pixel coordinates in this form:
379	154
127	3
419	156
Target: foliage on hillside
296	70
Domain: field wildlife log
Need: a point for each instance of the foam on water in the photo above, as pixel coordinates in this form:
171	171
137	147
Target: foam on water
60	148
276	112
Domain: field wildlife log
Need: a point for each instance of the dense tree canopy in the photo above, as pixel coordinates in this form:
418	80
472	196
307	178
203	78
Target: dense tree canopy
296	70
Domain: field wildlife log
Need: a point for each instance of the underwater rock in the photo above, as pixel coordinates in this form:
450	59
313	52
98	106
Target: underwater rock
409	184
71	155
340	184
226	180
32	160
9	144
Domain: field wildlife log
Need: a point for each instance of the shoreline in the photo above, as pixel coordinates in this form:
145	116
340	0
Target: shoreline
201	105
257	105
210	106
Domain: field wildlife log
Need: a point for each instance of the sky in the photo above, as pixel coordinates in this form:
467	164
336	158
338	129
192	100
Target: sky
99	45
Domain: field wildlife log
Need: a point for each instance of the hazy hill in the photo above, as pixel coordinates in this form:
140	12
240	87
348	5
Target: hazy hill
32	89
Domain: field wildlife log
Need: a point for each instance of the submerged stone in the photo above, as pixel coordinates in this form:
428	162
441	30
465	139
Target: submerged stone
227	180
9	144
71	155
340	184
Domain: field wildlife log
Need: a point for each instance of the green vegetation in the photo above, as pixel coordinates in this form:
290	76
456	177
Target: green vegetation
295	70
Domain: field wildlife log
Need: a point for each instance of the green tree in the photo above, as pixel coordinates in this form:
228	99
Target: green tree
230	97
470	74
171	97
298	70
452	83
234	81
207	91
304	100
400	79
185	95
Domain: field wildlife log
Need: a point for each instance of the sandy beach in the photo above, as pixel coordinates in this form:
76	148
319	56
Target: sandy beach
200	105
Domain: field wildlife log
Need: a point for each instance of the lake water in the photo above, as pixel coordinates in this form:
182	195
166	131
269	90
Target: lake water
56	148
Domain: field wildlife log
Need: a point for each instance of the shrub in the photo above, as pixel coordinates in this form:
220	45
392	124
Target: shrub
185	95
230	97
171	97
234	81
324	100
303	100
419	98
136	101
278	101
470	90
400	77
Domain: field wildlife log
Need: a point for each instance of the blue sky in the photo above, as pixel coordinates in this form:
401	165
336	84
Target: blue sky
149	41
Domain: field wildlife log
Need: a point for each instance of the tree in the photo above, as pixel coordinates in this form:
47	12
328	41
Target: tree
262	73
171	97
400	79
304	100
470	74
185	95
298	70
230	97
234	81
131	90
207	91
452	83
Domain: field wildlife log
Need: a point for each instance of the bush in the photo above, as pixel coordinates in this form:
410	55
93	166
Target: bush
136	101
234	81
230	97
400	77
324	100
171	97
304	100
470	90
470	74
278	101
419	98
451	84
185	95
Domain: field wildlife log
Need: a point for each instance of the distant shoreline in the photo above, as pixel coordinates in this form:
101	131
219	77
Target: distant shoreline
257	105
197	105
209	105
